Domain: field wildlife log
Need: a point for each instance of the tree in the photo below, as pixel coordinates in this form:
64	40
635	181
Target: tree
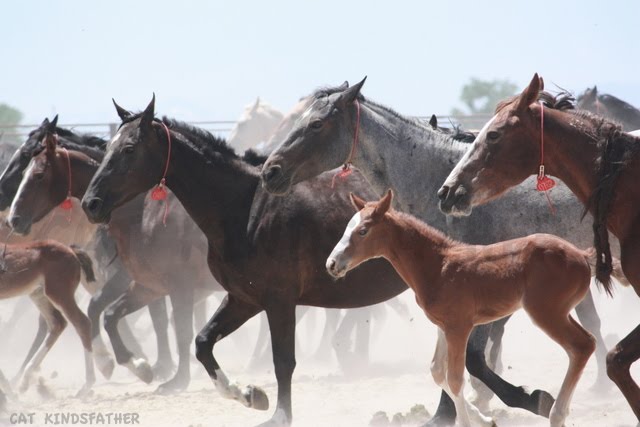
9	118
482	96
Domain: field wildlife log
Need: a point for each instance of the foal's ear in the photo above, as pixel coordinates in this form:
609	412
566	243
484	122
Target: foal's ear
384	204
350	94
122	113
149	112
433	122
530	94
357	202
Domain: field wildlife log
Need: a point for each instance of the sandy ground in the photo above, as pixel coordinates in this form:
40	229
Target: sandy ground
396	377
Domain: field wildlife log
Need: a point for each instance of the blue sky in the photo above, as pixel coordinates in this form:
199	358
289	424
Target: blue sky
206	60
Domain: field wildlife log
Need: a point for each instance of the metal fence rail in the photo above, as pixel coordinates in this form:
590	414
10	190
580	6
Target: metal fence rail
217	127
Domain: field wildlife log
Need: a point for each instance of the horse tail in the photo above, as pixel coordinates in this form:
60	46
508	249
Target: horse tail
86	264
616	271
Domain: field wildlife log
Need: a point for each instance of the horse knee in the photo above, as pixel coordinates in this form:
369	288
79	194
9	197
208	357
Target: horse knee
204	347
455	383
617	364
284	365
438	374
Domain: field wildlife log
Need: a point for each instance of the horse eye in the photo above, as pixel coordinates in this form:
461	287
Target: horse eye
493	135
363	231
128	149
316	124
26	155
38	176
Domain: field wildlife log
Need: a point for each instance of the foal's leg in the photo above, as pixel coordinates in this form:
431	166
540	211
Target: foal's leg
56	323
456	348
182	302
231	314
579	345
136	297
62	295
589	318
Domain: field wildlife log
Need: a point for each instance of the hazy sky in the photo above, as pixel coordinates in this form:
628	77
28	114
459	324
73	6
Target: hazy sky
206	60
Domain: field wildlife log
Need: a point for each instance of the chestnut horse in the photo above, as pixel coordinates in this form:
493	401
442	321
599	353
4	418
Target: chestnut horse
459	286
22	267
596	160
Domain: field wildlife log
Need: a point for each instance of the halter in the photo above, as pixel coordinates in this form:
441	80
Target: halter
160	192
347	167
544	183
67	204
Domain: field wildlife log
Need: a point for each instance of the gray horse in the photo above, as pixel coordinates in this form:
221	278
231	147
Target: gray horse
393	151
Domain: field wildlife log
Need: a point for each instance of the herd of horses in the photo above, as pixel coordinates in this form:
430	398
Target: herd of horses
266	230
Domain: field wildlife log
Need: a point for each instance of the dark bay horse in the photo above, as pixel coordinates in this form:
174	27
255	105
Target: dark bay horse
23	267
610	107
266	251
593	156
163	258
459	286
408	155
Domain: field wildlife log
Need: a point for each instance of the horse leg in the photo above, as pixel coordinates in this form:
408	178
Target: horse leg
363	332
495	335
115	286
446	413
577	343
164	366
332	318
262	346
37	342
588	316
342	340
483	394
619	361
282	323
539	401
63	298
56	324
133	299
231	314
456	349
182	302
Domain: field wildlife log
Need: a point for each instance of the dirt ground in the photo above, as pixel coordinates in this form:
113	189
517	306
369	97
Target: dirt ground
395	378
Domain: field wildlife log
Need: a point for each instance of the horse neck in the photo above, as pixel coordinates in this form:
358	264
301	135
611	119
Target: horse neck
415	249
571	152
82	170
393	152
217	196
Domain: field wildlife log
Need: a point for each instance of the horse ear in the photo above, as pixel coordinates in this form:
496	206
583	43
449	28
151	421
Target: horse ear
344	86
149	112
54	122
350	94
384	204
530	94
357	202
122	113
256	104
433	122
541	83
45	122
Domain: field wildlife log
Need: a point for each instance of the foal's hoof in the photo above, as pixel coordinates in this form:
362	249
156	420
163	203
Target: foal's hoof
440	421
256	397
141	369
544	402
174	385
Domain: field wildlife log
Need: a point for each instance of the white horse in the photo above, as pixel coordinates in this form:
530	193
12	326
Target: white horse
255	126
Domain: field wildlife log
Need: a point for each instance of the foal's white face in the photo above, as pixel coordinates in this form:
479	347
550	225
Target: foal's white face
339	262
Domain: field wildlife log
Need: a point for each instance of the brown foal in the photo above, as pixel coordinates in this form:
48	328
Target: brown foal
459	286
23	269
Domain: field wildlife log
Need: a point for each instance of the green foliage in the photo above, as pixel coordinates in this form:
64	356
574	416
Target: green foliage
482	96
9	117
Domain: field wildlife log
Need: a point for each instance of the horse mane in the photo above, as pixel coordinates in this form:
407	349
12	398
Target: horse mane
424	228
201	140
90	145
252	157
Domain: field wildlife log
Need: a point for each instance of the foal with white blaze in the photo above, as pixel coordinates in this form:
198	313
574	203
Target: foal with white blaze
459	286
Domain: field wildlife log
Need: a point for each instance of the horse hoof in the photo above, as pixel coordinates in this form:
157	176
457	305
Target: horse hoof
440	421
279	419
257	398
544	402
85	391
163	370
172	386
140	369
106	367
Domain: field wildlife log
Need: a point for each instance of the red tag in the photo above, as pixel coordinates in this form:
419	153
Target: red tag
66	205
545	183
159	193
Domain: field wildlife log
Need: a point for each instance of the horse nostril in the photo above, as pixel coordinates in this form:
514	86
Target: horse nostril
272	172
332	265
94	205
442	192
